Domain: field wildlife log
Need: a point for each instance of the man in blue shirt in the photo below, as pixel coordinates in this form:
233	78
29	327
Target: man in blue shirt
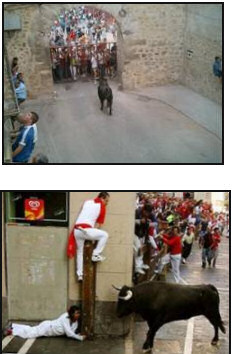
26	139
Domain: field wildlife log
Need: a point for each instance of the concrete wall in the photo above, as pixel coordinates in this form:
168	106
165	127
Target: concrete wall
37	272
117	269
203	36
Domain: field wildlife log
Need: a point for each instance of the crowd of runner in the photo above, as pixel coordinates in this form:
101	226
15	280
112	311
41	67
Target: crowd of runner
83	42
166	228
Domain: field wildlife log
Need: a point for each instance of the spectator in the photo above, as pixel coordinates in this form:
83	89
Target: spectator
27	137
192	218
14	69
173	240
20	89
74	64
94	66
101	64
187	242
141	232
205	243
216	238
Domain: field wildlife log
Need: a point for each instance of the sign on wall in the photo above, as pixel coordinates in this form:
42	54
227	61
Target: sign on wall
34	209
12	22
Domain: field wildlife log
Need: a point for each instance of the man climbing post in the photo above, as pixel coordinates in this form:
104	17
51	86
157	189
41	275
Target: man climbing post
87	227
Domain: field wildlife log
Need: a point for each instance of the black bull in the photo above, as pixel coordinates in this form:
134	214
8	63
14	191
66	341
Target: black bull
105	94
159	303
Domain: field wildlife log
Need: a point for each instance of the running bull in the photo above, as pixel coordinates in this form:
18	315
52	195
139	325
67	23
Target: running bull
105	94
159	303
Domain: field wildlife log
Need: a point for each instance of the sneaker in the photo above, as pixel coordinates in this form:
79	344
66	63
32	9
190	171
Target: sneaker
8	330
98	258
183	261
145	266
80	278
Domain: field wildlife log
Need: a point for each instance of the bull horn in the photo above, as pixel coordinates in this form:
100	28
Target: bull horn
118	289
127	297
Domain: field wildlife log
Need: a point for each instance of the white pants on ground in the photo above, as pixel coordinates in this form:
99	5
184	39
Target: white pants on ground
175	263
42	330
92	235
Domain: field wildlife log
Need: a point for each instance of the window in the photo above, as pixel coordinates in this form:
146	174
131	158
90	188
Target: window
37	208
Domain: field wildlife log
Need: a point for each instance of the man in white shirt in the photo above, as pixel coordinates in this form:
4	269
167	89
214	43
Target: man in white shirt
87	227
67	324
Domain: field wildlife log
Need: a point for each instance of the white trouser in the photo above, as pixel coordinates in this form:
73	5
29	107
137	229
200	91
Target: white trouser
175	260
73	71
164	261
91	235
137	245
24	331
175	263
152	242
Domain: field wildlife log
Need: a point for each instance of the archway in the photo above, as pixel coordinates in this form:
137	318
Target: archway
83	44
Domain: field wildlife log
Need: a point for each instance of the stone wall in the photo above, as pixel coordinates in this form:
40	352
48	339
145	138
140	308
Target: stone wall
203	36
27	45
153	44
153	40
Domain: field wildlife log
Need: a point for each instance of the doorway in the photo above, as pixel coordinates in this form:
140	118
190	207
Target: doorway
83	45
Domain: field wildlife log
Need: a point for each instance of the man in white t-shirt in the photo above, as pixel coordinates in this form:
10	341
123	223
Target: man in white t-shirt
87	227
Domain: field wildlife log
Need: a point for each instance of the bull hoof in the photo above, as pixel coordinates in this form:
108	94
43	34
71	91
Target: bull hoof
214	342
223	329
149	350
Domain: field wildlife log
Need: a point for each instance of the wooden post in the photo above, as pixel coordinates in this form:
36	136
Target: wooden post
88	290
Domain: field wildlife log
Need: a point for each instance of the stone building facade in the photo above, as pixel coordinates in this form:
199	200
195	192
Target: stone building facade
203	37
153	44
